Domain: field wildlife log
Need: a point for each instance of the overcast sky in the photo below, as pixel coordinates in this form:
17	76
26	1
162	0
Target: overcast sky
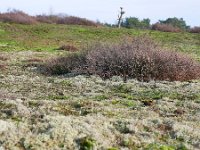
107	10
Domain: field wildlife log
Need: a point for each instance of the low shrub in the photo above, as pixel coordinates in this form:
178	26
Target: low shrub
165	28
69	20
62	65
194	30
141	58
71	48
138	58
47	18
16	16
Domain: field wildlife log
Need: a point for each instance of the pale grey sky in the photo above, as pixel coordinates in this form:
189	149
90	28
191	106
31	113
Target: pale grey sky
107	10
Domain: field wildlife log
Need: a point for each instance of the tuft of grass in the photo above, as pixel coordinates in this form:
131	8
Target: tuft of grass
121	88
159	147
87	143
58	97
101	97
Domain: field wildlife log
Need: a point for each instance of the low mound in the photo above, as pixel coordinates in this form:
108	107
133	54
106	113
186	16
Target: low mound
138	58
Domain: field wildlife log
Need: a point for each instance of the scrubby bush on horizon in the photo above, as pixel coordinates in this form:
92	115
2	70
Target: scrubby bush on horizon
194	30
17	16
138	58
165	28
69	20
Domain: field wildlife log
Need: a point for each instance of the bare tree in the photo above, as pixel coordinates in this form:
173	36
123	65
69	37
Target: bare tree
120	17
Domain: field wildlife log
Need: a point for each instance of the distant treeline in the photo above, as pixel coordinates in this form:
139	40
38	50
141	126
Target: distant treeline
168	25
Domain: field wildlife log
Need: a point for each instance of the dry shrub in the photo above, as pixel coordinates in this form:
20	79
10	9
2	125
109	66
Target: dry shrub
47	19
141	58
63	65
70	48
70	20
138	58
16	16
195	30
165	28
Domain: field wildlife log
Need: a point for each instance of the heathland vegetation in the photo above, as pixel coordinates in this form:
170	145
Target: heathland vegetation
71	83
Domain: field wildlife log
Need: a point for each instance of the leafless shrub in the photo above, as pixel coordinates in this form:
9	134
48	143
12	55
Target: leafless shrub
138	58
63	65
194	30
70	20
165	28
47	18
16	16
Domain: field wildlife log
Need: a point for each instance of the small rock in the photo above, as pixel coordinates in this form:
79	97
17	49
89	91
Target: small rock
179	111
148	102
1	76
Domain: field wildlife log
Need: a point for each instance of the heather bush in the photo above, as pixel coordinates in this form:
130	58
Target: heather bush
165	27
141	58
47	19
70	20
138	58
16	16
194	30
63	65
